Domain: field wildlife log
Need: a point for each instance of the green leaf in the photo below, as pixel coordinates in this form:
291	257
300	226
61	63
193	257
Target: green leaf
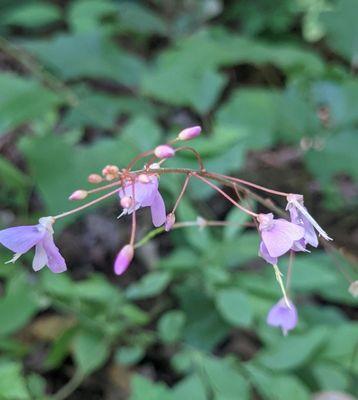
12	383
225	381
18	305
341	28
233	304
171	326
189	388
129	355
150	285
142	388
90	351
236	218
32	15
22	100
330	377
293	351
91	55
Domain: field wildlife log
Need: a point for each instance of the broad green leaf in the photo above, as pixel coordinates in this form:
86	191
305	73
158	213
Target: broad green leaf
90	351
189	388
225	381
171	326
129	355
22	100
341	28
293	351
32	15
87	55
142	388
12	383
150	285
330	377
234	305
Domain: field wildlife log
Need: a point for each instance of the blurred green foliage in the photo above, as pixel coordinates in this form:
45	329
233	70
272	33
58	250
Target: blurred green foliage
85	83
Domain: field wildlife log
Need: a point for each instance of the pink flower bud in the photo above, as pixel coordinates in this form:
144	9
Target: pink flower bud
94	178
126	202
143	178
164	151
110	172
169	222
78	195
123	259
189	133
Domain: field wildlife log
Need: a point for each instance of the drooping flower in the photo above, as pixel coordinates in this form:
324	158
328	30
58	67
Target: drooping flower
278	236
164	151
123	259
145	194
283	315
20	239
300	216
190	133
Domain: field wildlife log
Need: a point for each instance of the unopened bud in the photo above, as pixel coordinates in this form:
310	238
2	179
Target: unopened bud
123	259
143	178
190	133
94	178
78	195
110	172
169	222
353	289
154	166
126	202
164	151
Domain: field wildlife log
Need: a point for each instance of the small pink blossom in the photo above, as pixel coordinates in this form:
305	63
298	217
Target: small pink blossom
283	315
190	133
20	239
123	259
146	194
278	236
94	178
164	151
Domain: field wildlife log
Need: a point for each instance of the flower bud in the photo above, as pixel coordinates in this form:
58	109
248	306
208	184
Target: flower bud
78	195
94	178
123	259
189	133
164	151
110	172
169	222
353	289
126	202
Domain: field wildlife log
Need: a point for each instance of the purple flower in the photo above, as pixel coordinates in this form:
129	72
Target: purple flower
190	133
283	315
21	239
123	259
300	216
278	236
146	194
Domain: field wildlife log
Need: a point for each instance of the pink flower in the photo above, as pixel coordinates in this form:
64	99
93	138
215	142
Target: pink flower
278	236
190	133
21	239
146	194
283	316
164	151
123	259
300	216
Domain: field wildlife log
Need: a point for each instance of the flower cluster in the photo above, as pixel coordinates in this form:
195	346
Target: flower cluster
140	189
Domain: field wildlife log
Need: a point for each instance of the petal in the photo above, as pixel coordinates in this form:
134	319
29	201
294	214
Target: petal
40	258
265	254
283	316
279	239
123	259
55	261
310	234
20	239
157	209
143	192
